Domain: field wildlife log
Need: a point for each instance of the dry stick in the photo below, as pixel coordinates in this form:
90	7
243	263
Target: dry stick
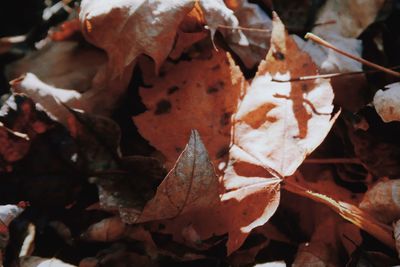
328	75
322	42
243	28
333	161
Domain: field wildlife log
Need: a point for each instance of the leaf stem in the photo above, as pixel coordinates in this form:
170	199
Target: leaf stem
333	161
322	42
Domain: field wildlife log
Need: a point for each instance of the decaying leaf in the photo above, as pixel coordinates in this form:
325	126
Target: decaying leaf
387	102
258	34
382	201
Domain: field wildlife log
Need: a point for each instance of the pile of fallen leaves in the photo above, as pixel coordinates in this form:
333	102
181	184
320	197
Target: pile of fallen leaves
200	133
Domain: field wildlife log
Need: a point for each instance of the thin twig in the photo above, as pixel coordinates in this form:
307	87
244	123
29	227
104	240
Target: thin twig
328	75
333	161
322	42
243	28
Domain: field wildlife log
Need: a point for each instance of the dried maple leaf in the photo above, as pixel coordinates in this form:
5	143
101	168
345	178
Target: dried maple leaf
275	126
279	124
202	98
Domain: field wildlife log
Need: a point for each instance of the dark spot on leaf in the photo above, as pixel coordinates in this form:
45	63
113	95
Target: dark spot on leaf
278	55
225	119
178	149
222	152
164	106
215	88
172	90
162	73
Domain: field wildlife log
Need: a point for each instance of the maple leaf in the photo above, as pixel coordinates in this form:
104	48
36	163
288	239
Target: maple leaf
274	126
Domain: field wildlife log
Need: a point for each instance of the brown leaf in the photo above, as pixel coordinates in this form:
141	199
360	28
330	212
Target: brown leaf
192	184
128	28
203	97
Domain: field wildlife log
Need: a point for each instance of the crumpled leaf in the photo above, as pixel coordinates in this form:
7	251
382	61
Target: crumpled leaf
387	102
69	76
216	13
253	17
49	97
259	154
9	213
382	201
192	184
127	28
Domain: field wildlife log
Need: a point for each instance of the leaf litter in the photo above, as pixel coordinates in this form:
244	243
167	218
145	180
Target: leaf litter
223	139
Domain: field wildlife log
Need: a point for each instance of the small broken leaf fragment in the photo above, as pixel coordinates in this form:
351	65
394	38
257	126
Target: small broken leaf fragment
396	235
383	201
192	184
387	102
33	261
